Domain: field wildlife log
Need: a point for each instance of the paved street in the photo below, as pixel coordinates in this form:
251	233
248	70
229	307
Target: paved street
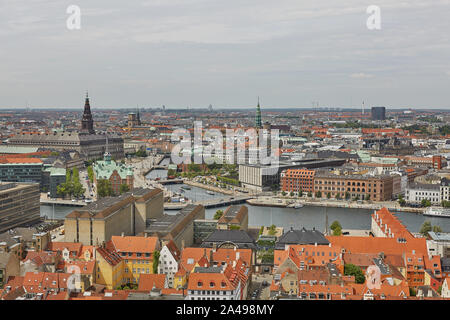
257	283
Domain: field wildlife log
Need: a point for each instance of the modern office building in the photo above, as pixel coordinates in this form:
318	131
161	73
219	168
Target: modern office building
51	178
19	205
378	113
20	170
260	177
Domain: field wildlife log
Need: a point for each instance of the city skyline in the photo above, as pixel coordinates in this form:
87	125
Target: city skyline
197	53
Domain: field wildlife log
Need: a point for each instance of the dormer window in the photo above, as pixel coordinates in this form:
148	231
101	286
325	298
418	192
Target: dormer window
223	284
212	284
200	284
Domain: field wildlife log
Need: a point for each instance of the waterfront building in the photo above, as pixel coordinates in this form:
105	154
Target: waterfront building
116	172
445	189
51	178
110	216
261	178
296	180
19	205
416	192
376	188
385	224
87	142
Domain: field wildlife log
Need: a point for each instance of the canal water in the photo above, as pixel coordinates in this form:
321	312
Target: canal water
308	216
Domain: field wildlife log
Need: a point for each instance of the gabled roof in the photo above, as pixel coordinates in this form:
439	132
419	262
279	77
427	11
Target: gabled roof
388	246
134	244
149	281
302	236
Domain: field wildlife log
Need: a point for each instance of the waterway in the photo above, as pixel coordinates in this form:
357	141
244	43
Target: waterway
308	216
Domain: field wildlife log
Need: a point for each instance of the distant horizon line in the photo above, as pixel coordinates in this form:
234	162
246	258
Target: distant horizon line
268	108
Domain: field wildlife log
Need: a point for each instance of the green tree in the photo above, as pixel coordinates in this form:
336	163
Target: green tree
283	193
352	270
337	231
328	195
75	176
437	229
367	197
347	195
291	194
401	201
218	214
309	194
319	194
335	225
338	196
272	230
445	204
124	188
141	153
426	227
426	203
300	194
90	172
104	188
155	261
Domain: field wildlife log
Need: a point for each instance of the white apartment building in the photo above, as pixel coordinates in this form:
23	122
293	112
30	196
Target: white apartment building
415	193
445	189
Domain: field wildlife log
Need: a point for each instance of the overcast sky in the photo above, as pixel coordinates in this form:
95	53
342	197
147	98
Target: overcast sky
226	53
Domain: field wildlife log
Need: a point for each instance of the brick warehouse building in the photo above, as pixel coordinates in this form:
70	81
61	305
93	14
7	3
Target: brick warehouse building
378	188
294	180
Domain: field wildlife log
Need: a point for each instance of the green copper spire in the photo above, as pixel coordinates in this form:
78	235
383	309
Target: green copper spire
258	123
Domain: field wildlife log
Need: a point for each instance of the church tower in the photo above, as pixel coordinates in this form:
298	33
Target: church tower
258	123
87	123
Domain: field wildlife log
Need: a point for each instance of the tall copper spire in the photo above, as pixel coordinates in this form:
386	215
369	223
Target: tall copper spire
87	123
258	123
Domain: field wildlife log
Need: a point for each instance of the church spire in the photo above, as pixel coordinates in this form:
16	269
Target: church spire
87	123
258	123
